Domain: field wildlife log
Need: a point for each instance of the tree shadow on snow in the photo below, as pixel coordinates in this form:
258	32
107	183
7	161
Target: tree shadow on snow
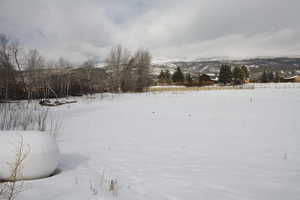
71	161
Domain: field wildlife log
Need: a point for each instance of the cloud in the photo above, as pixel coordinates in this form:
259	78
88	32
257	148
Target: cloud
81	29
238	46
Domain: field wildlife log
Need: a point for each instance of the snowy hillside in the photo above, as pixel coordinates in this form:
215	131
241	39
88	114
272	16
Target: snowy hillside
231	144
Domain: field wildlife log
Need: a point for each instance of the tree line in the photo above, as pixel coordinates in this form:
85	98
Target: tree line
239	74
179	78
227	75
233	75
270	77
25	74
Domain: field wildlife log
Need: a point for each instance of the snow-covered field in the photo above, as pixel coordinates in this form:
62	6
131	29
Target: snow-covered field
211	145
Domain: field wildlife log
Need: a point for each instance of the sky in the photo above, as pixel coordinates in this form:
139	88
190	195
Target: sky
169	29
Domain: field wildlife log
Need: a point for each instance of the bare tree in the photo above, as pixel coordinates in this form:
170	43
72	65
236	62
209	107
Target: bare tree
8	80
118	58
63	63
126	72
127	77
89	69
142	62
34	63
15	48
25	74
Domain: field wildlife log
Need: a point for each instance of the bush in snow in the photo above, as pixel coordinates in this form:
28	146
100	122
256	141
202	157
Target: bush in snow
27	116
22	116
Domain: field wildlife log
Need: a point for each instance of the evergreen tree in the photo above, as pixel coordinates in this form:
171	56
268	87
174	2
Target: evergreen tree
238	75
162	77
178	76
246	72
168	76
264	77
222	74
277	77
270	77
188	78
225	75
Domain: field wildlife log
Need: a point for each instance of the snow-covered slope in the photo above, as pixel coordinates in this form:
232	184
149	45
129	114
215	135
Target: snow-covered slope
241	144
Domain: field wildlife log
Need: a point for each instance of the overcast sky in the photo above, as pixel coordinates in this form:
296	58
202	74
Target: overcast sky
170	29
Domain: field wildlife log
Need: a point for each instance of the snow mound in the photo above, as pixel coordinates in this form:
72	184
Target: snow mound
38	149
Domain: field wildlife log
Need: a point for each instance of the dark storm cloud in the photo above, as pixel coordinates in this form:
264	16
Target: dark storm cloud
170	28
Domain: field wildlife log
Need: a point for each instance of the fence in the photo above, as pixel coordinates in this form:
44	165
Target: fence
274	85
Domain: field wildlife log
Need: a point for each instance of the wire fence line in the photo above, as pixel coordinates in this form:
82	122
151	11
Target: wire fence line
274	85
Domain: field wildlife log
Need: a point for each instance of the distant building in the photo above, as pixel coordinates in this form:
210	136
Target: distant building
214	77
291	79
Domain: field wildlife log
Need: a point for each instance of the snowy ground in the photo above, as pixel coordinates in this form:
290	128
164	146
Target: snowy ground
212	145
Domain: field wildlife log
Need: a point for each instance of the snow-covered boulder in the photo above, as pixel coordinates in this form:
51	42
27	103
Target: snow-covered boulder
35	152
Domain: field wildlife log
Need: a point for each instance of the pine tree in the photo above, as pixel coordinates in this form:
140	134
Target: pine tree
246	72
178	76
264	77
162	77
270	77
188	78
168	76
225	75
238	75
277	77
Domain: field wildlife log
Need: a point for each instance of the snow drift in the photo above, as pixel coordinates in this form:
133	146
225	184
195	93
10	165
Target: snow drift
35	152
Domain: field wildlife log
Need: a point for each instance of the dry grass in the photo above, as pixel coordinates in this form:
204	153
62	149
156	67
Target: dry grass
23	116
28	116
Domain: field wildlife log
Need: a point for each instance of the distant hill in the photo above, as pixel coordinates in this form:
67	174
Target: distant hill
285	65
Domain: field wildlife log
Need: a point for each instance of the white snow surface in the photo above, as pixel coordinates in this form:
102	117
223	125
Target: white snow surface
168	86
39	149
212	145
